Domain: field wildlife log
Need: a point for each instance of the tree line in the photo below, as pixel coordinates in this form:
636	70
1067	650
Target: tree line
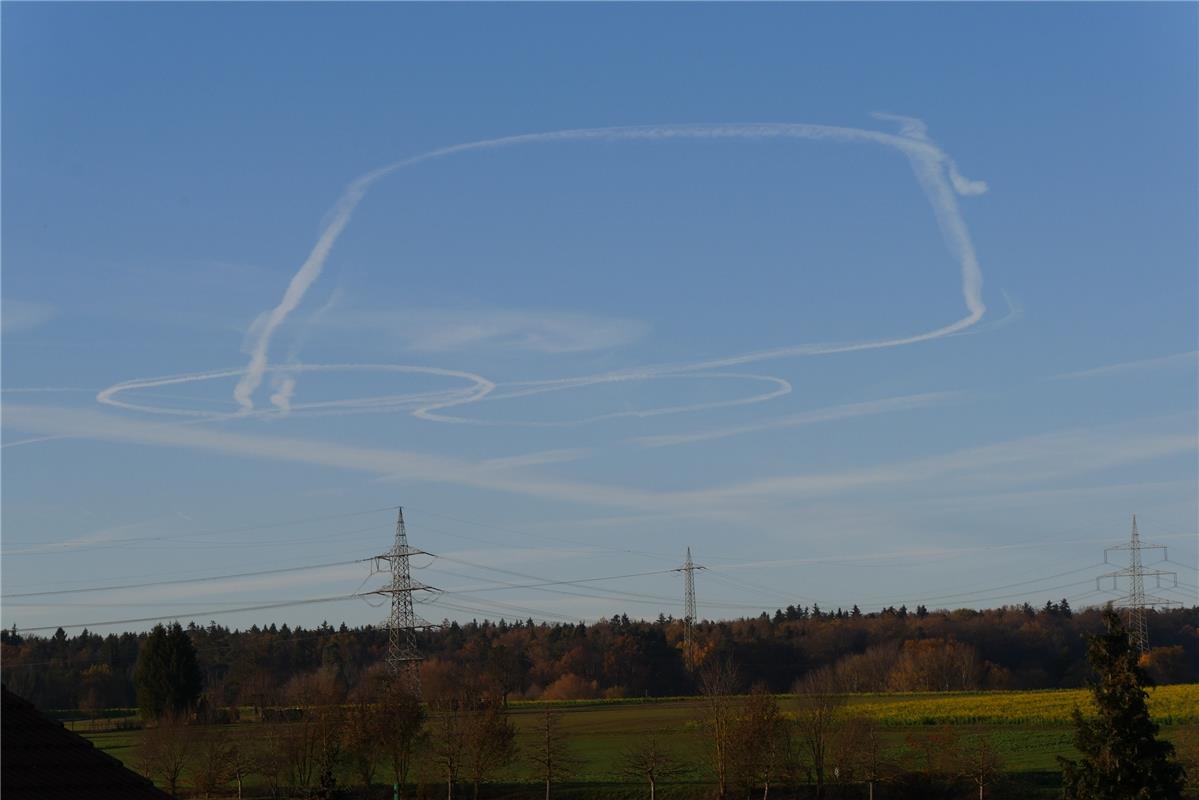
895	649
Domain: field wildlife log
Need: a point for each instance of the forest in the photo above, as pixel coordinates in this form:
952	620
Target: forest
897	650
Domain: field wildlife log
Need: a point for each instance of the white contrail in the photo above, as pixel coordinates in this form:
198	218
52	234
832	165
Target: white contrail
478	388
781	387
285	387
937	175
309	271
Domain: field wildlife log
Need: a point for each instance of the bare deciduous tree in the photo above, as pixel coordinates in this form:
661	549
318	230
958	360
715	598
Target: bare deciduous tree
402	731
165	750
489	739
651	762
717	682
364	742
552	753
243	762
297	742
213	765
447	740
311	746
759	742
934	753
816	720
980	762
270	757
329	723
860	748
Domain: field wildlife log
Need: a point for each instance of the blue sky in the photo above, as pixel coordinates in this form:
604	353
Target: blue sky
572	356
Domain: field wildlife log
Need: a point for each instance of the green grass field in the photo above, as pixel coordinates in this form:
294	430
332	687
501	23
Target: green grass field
1029	729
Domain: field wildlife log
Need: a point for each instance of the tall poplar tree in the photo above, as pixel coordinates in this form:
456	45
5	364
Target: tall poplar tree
1122	757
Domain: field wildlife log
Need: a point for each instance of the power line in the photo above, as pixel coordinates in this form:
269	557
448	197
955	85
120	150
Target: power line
612	594
180	543
73	584
572	582
1025	594
968	595
211	613
156	604
187	580
616	592
490	608
546	537
714	572
64	545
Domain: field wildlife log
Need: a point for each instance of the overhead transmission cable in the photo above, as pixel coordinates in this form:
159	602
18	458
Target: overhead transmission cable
210	613
612	594
185	580
546	537
64	546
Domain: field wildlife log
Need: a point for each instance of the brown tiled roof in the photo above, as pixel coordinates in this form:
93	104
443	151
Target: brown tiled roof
41	759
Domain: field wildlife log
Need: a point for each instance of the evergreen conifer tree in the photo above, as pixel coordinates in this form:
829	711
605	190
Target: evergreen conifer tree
1122	756
167	676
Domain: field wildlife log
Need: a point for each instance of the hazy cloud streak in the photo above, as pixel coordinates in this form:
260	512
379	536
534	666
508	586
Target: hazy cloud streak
1188	359
830	414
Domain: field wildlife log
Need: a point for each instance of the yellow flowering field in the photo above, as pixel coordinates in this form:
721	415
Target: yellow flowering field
1168	704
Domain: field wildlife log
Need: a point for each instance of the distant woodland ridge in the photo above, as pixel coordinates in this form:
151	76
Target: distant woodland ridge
894	650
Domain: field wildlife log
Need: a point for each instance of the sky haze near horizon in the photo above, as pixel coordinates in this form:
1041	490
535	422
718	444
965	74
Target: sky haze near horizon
575	355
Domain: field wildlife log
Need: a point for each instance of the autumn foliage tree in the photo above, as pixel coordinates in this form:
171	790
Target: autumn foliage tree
1122	758
1013	647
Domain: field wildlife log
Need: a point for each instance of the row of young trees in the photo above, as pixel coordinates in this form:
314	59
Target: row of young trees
754	746
463	738
897	649
299	752
460	737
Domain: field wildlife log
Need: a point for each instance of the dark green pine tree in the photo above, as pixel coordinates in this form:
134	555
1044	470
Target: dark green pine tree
167	676
1122	756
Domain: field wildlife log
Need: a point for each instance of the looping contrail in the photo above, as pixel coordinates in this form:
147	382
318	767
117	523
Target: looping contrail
937	174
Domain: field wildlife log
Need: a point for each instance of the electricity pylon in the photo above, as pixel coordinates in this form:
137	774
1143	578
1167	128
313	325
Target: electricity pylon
1136	601
403	654
688	569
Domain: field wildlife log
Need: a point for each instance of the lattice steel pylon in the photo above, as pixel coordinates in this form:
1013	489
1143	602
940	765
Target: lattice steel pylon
403	654
1136	601
688	569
